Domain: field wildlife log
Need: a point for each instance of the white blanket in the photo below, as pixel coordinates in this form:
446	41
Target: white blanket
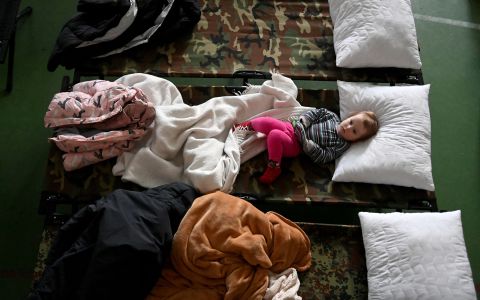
283	286
196	144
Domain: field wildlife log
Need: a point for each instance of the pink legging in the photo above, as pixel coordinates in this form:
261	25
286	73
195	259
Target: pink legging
281	140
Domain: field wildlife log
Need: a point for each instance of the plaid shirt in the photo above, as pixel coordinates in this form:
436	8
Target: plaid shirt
327	144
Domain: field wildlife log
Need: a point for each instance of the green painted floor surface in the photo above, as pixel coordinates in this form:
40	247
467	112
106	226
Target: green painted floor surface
449	39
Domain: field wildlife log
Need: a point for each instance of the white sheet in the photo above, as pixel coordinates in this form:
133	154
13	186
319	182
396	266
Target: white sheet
196	144
283	286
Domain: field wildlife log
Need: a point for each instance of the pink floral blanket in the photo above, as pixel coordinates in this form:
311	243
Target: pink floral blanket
97	120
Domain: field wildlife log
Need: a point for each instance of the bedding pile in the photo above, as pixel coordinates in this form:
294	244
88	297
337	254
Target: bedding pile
224	249
196	144
133	245
97	120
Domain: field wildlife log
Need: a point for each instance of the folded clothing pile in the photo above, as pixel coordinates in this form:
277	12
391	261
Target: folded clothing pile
97	120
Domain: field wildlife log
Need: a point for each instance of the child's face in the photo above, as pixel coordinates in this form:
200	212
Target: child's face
353	128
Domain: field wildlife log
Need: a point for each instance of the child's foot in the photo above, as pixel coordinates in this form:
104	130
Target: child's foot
247	125
270	174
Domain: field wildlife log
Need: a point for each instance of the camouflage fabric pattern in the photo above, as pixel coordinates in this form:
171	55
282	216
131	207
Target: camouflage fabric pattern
301	180
292	37
49	235
338	268
86	184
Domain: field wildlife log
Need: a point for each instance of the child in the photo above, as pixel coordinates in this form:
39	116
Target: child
320	133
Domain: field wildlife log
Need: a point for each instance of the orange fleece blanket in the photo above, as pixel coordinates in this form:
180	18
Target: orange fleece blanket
224	248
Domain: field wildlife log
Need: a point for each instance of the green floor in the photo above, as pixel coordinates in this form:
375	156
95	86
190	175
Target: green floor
450	56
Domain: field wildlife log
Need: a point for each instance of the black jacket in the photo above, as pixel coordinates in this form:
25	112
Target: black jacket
96	17
115	248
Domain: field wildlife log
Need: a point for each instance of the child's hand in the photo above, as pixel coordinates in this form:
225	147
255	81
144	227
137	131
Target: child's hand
305	121
300	133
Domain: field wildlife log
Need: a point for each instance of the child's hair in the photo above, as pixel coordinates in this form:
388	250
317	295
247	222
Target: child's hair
370	123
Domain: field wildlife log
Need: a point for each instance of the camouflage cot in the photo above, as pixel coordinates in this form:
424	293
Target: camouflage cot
300	183
293	37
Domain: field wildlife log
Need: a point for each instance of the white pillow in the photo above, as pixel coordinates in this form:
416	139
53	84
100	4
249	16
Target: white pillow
374	33
399	153
416	256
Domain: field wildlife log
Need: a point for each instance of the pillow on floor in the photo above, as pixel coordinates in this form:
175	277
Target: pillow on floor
399	153
374	33
416	256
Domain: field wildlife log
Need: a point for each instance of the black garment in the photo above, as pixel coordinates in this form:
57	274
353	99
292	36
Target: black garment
180	20
94	19
100	6
115	248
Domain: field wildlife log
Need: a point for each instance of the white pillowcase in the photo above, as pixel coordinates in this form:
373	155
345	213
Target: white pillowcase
374	33
416	256
399	153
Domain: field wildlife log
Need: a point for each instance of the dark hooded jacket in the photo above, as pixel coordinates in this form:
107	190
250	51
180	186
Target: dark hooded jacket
96	17
115	248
